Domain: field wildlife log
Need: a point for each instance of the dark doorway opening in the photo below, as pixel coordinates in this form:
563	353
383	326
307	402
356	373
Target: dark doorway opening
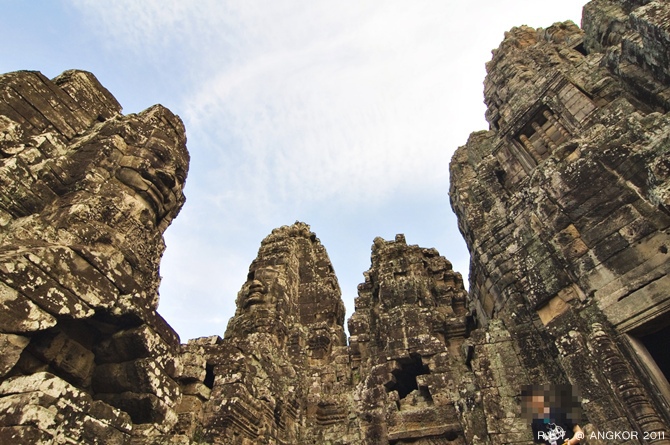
658	345
405	377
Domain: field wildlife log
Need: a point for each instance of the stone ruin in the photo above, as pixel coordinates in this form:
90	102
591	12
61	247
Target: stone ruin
564	204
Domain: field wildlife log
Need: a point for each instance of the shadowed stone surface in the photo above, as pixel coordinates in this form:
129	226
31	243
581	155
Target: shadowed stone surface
564	204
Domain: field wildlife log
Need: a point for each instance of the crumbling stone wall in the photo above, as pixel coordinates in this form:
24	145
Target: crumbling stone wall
407	335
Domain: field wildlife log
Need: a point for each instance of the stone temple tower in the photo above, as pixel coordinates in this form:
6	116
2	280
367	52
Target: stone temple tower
564	206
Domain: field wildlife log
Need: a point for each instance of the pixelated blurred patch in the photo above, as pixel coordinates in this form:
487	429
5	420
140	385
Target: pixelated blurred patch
547	406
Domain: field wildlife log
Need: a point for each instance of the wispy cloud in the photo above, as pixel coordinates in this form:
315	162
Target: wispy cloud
354	111
312	100
321	110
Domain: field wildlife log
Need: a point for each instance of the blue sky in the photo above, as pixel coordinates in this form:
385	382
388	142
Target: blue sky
341	114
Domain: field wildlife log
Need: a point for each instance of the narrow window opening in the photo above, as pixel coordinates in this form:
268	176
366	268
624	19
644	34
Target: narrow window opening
209	376
500	175
651	348
580	48
278	415
542	134
495	123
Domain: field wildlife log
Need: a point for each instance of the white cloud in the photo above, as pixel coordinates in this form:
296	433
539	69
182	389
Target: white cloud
310	110
355	111
318	100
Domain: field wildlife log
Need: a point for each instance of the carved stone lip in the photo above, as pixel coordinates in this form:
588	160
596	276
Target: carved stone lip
150	187
253	299
256	294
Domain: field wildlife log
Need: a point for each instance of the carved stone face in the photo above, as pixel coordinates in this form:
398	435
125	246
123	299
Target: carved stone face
106	190
255	294
125	189
258	291
151	167
156	173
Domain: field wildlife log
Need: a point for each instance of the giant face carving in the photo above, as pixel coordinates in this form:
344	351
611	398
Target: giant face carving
145	152
85	199
151	165
85	196
259	290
